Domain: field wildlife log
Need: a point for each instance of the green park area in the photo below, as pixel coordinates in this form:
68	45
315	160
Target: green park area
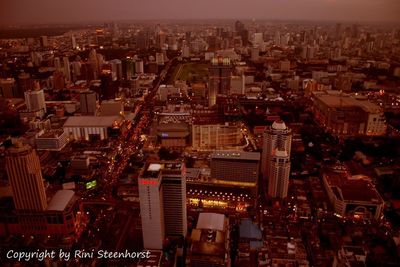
191	72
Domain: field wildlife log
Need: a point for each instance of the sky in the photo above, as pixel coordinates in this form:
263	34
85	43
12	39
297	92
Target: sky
76	11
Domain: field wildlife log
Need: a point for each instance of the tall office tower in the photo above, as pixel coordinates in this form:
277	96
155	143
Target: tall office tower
58	80
128	68
73	42
88	101
8	88
35	100
142	41
219	78
57	63
255	53
277	137
67	69
25	176
258	39
139	67
239	26
116	69
162	193
94	62
24	83
76	70
160	39
44	41
277	38
308	52
173	186
279	170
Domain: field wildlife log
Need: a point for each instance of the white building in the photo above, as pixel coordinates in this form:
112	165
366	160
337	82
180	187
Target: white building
35	100
278	177
162	193
90	127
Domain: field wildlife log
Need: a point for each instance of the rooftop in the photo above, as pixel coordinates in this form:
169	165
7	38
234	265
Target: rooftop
349	189
239	155
340	100
212	221
91	121
60	200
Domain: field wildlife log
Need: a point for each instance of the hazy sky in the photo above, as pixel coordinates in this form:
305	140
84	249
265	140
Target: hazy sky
65	11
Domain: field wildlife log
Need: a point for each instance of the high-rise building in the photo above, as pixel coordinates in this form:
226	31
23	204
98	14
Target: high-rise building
57	63
25	176
139	67
88	100
116	69
67	69
162	193
35	100
278	137
278	175
44	41
219	78
25	83
73	42
8	88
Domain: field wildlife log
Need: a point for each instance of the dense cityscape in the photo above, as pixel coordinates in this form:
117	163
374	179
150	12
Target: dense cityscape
200	143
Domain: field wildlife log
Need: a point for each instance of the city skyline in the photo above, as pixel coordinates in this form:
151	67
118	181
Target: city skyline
50	12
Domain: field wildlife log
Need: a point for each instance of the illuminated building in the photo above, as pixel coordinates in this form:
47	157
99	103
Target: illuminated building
278	136
25	176
173	134
28	213
278	174
162	193
88	101
342	114
210	241
352	196
35	101
219	78
236	166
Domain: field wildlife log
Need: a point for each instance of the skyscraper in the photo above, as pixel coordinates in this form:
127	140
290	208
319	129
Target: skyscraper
278	177
276	138
35	100
67	69
88	101
162	193
25	176
219	78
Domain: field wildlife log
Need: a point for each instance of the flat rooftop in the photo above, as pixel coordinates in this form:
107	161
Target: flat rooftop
337	100
211	221
348	188
91	121
60	200
236	155
153	169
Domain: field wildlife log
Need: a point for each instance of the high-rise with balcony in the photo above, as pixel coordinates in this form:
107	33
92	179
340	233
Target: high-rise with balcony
277	138
219	78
